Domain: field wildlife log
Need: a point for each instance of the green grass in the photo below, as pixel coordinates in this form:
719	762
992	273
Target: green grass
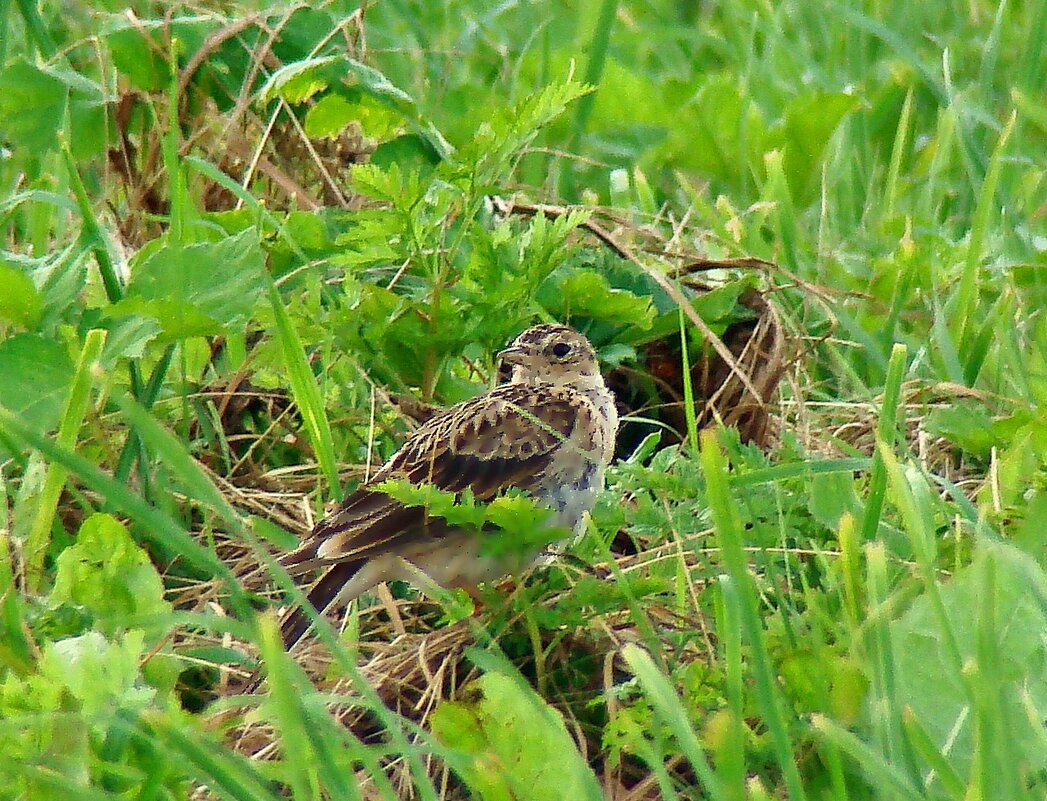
209	304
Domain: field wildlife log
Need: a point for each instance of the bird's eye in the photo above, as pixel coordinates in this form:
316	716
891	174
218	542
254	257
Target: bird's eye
561	349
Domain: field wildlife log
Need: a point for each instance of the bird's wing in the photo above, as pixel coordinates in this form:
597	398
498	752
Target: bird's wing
487	444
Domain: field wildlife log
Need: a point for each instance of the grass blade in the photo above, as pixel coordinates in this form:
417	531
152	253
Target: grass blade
886	432
729	536
306	392
887	778
72	419
890	192
673	714
228	774
967	293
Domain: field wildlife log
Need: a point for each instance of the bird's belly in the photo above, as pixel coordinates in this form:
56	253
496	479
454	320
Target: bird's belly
457	561
571	500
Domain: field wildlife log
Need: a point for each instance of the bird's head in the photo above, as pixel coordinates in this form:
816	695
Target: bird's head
554	354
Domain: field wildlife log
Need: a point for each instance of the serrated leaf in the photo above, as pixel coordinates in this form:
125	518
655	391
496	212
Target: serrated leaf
507	131
513	523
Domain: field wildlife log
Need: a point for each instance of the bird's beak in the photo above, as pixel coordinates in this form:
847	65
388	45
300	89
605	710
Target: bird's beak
513	356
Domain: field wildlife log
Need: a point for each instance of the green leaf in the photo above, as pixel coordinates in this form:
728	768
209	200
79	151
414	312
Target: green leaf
514	523
727	124
20	301
35	374
142	62
139	46
329	117
411	151
379	86
517	745
486	159
103	676
273	533
968	425
106	572
928	681
719	308
200	289
809	123
300	80
832	494
128	335
33	108
587	293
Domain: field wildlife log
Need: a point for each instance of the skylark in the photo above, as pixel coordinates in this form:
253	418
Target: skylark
549	430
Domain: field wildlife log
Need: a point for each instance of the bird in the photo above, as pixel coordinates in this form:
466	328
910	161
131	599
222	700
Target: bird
549	430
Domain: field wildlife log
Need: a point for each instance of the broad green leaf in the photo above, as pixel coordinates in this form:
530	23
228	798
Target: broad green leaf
380	87
33	109
720	131
198	290
719	308
832	494
409	150
518	745
329	117
60	277
20	302
300	80
32	106
128	336
106	572
968	425
928	681
809	123
586	293
144	60
102	675
35	374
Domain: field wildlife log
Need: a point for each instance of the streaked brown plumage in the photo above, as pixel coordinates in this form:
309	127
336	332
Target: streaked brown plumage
549	431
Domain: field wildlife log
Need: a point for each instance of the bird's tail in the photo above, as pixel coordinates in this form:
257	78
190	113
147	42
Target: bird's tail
321	595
